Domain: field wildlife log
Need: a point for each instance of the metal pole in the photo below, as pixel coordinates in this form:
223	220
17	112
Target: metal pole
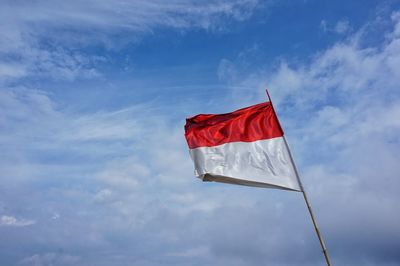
321	241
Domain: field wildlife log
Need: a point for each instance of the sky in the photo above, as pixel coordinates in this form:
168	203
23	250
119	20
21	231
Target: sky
94	167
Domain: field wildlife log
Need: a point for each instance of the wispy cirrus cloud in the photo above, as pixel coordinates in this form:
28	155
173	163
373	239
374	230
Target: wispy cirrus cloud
341	27
50	259
137	15
6	220
41	38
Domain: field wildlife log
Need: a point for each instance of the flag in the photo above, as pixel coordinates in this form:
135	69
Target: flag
244	147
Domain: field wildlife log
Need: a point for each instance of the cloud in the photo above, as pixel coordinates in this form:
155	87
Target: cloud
6	220
115	187
192	252
341	27
48	259
109	192
323	25
42	39
32	20
137	15
340	114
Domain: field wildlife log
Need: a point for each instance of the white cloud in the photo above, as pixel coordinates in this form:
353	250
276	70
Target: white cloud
192	252
52	62
104	126
124	173
55	216
125	190
138	15
342	26
340	113
12	70
48	259
226	70
323	25
347	68
6	220
40	38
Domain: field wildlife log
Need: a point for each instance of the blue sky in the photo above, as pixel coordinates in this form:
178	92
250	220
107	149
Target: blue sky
94	167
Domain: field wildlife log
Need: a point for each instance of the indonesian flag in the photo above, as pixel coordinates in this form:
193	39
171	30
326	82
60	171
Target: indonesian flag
245	147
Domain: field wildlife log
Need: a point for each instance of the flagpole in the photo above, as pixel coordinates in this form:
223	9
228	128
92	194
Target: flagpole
321	240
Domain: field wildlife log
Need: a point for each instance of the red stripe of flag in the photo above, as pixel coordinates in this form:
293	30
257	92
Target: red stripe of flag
256	122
